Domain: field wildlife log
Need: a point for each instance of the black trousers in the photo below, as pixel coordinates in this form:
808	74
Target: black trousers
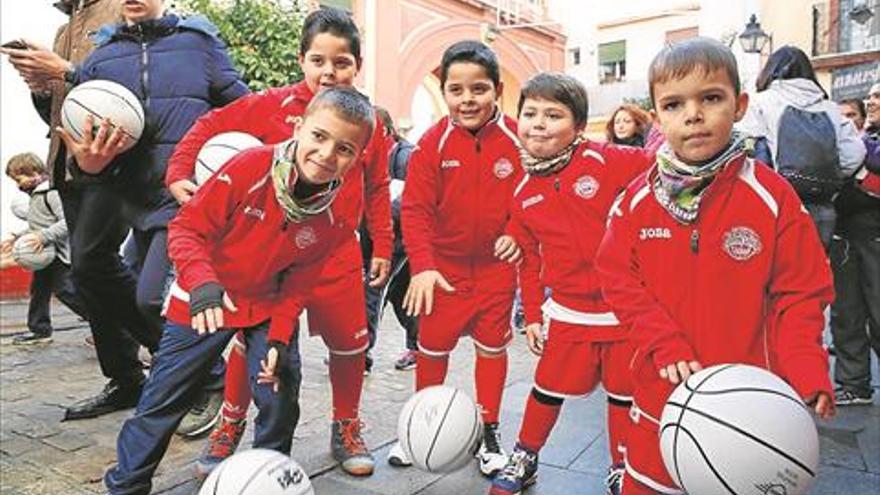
107	286
855	313
54	279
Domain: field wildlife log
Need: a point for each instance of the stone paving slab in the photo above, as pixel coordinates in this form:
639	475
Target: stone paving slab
40	454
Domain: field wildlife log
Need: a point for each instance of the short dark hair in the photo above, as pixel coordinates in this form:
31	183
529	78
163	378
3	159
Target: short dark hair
334	21
856	103
474	52
561	88
348	103
788	62
677	60
25	164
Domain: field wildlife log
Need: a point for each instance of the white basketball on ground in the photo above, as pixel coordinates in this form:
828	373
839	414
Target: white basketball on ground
219	150
28	259
739	429
257	472
440	429
103	99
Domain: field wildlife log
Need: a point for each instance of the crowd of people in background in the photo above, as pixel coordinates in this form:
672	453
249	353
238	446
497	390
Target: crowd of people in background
485	216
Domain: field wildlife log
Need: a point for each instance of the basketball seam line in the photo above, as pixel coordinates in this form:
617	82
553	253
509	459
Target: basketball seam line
115	126
752	389
707	460
258	471
134	108
439	428
749	435
409	429
72	125
681	416
219	474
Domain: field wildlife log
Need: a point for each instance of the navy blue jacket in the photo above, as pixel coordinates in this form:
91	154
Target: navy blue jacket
179	69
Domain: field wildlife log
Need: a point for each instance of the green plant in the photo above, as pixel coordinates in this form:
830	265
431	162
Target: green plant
262	37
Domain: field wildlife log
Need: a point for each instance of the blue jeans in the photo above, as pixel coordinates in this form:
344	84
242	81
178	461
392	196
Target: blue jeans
179	371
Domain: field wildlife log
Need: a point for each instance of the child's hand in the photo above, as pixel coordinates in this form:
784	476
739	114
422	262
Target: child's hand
823	405
206	306
680	371
32	241
93	154
6	244
182	190
535	338
379	270
506	249
421	292
270	366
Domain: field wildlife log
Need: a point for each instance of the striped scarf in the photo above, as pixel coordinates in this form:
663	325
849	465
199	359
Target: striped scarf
680	187
541	167
284	177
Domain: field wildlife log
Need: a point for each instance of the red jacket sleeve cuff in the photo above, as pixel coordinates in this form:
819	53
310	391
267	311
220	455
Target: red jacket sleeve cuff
671	352
281	329
811	376
383	248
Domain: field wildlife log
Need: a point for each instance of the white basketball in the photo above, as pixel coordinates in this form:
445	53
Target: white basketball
440	429
257	472
28	259
219	150
103	99
738	429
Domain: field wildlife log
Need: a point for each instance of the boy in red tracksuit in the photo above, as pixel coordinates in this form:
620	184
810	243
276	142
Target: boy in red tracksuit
330	57
710	256
454	215
278	201
558	214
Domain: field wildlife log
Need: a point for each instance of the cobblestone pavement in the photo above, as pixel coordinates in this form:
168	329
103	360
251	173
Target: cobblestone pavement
39	454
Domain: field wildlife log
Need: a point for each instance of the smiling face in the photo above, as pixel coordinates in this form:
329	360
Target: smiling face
327	145
873	105
470	95
624	125
135	11
328	62
696	113
545	127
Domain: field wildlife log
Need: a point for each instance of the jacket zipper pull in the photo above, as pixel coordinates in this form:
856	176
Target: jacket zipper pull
479	147
695	241
556	184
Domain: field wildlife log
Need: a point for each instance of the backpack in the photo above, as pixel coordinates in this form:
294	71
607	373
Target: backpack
807	154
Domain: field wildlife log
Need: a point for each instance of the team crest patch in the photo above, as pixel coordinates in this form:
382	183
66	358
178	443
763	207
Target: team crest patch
503	168
305	237
741	243
586	186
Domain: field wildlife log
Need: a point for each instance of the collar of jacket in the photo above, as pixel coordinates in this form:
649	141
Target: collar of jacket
498	115
154	29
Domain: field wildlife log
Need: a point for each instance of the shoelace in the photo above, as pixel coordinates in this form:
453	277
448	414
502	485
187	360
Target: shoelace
490	438
222	440
516	466
350	431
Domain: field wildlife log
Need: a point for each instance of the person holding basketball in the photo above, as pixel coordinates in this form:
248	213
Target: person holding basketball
710	257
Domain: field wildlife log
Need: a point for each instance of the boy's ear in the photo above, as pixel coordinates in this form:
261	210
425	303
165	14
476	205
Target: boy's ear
499	90
742	104
297	124
654	117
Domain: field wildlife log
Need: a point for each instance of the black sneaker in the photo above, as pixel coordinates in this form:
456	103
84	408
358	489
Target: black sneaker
114	397
407	360
492	457
849	397
520	471
614	479
31	338
203	415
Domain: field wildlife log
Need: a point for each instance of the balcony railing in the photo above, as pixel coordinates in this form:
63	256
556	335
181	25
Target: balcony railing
846	26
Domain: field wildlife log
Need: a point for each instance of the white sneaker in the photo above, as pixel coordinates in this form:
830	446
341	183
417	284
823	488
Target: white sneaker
397	457
492	457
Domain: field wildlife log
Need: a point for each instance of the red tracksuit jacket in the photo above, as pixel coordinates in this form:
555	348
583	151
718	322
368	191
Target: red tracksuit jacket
233	232
457	195
559	221
746	282
269	116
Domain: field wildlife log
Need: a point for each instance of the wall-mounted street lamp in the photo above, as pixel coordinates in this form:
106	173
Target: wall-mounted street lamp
861	13
753	39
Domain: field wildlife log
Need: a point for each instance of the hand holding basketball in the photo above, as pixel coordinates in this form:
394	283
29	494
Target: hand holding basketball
421	292
182	190
535	338
93	154
680	371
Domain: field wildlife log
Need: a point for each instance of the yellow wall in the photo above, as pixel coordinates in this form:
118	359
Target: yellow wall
789	21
